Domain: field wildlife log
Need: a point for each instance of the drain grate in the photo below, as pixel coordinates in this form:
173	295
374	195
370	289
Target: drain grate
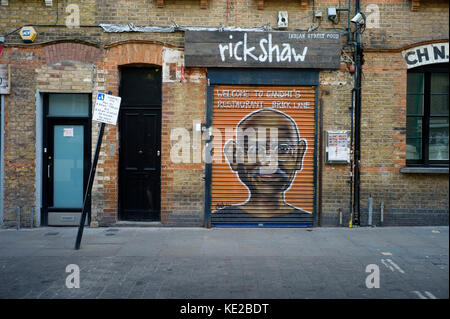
51	234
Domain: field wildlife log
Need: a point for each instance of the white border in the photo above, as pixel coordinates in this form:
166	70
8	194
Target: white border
38	147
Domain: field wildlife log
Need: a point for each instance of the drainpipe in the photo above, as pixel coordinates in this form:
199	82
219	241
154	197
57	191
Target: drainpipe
349	33
319	202
350	181
2	157
357	139
357	148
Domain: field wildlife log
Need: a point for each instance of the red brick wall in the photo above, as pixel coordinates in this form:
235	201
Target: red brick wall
182	185
35	67
383	146
383	113
181	203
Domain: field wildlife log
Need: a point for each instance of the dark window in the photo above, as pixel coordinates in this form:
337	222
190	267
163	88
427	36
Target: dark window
140	86
427	116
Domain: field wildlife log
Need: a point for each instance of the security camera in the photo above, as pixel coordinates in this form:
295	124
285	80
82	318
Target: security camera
359	18
331	14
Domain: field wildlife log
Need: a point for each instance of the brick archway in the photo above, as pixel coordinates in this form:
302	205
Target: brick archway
80	52
116	55
130	52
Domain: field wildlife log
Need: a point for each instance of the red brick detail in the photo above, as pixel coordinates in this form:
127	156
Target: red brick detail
130	53
260	4
203	4
303	4
415	4
73	52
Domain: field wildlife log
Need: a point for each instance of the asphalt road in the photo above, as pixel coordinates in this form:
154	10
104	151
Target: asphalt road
412	263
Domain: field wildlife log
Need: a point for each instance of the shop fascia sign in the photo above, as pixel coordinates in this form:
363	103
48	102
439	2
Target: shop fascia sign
263	49
5	79
426	54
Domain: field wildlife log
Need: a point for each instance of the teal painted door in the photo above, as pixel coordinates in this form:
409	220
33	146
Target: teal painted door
66	157
68	165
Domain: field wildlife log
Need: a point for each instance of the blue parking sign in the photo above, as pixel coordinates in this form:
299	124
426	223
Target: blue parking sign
101	97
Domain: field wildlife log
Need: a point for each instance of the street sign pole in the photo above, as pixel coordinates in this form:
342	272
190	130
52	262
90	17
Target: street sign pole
89	187
106	111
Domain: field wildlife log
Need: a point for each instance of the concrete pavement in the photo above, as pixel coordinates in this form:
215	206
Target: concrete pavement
226	263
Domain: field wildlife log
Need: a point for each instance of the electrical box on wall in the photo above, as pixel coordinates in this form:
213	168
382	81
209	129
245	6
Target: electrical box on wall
337	147
282	19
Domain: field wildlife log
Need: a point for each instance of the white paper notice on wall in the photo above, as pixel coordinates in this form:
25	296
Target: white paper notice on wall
336	153
337	147
68	132
106	108
5	79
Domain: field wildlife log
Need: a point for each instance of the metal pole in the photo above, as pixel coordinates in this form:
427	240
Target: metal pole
381	213
89	187
369	222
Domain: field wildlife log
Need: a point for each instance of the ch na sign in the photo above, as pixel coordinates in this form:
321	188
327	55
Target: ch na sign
426	54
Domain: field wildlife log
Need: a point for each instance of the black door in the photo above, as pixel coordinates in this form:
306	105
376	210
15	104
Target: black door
140	163
140	144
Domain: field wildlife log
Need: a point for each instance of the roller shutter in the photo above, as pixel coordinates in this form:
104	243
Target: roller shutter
243	195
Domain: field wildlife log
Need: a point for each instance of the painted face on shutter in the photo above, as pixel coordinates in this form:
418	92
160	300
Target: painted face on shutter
267	153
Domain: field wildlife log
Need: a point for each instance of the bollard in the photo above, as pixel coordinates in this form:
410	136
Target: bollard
18	218
369	221
381	213
32	217
340	217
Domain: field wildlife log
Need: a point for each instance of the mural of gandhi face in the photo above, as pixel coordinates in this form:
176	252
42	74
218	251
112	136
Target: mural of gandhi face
266	177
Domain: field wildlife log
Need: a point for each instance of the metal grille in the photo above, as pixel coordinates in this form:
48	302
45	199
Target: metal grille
242	194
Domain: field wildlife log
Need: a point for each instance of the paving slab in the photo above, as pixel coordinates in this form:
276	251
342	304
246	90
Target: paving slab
230	263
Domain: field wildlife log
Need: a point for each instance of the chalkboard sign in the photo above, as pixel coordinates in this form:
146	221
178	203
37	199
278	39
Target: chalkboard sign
278	49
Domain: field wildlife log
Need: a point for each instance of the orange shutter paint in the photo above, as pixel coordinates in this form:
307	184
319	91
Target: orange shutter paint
230	105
